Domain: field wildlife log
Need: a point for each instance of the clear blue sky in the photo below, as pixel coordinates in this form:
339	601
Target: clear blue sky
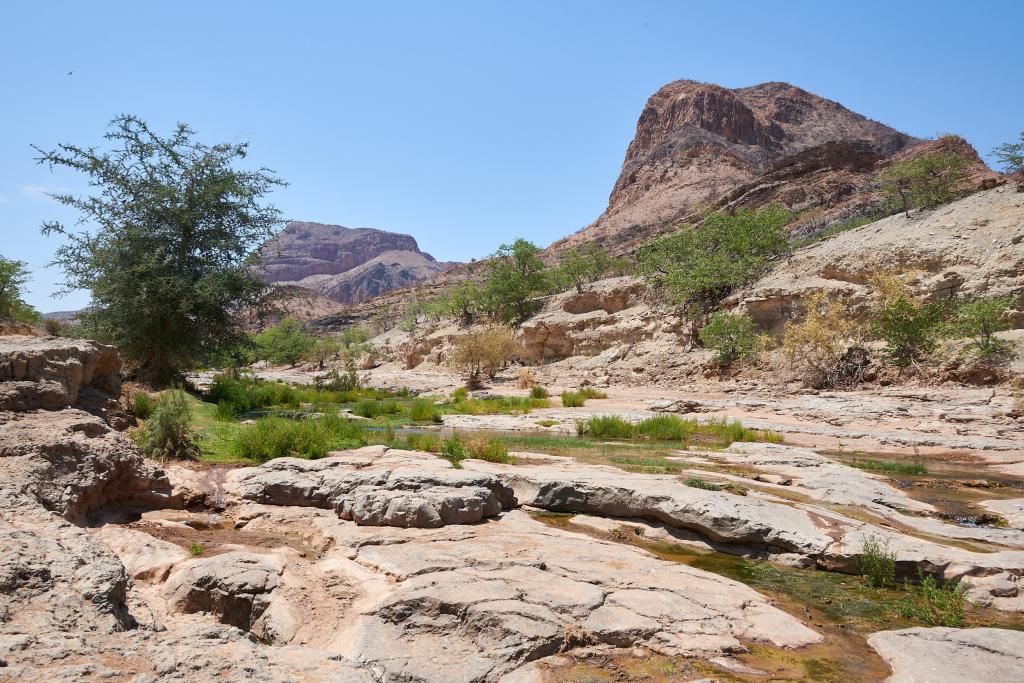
464	124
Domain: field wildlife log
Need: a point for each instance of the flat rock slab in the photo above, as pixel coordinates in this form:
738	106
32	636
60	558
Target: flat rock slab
952	655
376	486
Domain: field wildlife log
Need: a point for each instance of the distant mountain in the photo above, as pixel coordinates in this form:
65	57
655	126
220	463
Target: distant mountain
347	265
702	146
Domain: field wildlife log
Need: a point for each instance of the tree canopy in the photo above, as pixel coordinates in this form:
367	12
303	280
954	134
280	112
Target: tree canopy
517	276
698	266
13	276
170	254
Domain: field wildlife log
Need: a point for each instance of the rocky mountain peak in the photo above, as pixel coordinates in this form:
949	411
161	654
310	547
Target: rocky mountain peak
697	142
348	265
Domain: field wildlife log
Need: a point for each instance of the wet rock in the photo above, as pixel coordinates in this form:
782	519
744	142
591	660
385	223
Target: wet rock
950	655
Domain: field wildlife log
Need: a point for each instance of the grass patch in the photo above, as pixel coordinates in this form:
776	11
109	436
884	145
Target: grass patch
428	443
646	465
539	392
495	405
889	467
671	428
422	410
310	437
547	423
371	408
142	405
573	399
591	392
729	487
928	603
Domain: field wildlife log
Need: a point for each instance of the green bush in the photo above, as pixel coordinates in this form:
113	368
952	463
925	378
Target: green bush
487	448
666	428
453	451
877	562
980	320
284	343
247	394
933	605
698	266
606	427
225	411
142	405
927	181
539	392
573	399
591	392
196	548
371	408
422	410
731	336
168	431
460	394
910	329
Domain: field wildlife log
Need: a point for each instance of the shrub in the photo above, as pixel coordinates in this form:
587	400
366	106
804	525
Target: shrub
225	411
483	447
587	264
573	399
731	336
910	329
168	431
591	392
696	483
323	350
547	423
460	394
818	346
142	405
248	394
699	266
453	451
422	410
666	428
877	562
483	353
926	181
196	549
980	320
429	443
538	392
932	604
284	343
371	408
606	427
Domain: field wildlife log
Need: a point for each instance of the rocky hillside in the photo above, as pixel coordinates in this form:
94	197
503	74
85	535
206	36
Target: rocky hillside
347	265
701	145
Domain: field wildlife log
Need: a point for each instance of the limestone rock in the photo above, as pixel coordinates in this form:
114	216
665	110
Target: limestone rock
236	586
380	487
52	372
950	655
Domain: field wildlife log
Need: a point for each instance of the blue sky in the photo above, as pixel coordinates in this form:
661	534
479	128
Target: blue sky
464	124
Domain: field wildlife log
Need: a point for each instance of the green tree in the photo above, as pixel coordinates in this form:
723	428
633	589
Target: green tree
981	319
13	276
517	276
732	336
927	181
910	329
698	266
322	351
284	343
171	259
1011	155
587	264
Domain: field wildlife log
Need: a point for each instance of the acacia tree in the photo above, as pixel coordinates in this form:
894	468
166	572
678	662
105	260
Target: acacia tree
517	276
170	253
13	276
927	181
1011	155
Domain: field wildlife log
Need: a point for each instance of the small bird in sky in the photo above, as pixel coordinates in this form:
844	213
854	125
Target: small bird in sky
70	72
